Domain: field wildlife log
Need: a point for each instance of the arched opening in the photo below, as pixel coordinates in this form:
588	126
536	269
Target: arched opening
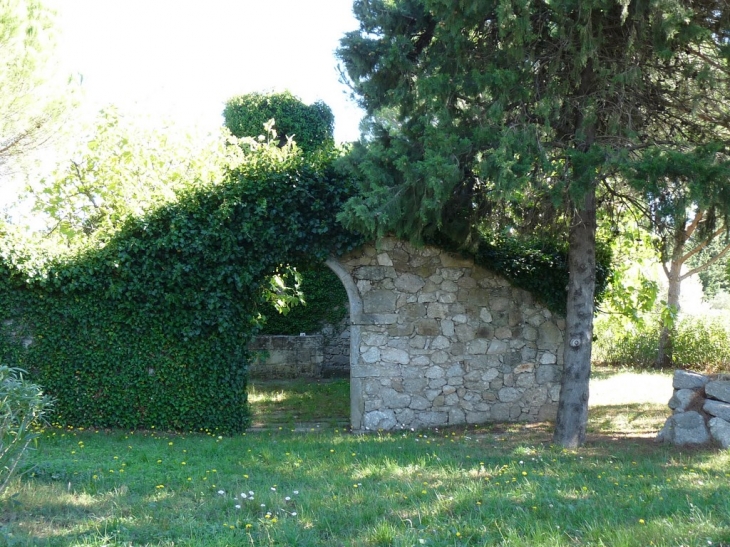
357	404
300	374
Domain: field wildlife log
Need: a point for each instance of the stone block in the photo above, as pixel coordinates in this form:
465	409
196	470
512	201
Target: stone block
433	419
394	355
427	327
475	417
379	419
435	372
547	412
370	355
440	342
497	347
720	431
684	379
456	416
409	283
683	399
477	347
446	298
436	310
546	374
379	301
525	380
549	336
503	333
500	412
524	367
508	394
419	403
718	389
685	428
392	399
437	383
548	358
717	409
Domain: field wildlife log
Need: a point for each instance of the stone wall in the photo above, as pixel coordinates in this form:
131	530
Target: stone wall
323	355
336	350
437	341
701	410
286	357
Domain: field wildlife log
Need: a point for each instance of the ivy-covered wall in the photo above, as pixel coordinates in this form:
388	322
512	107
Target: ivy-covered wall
152	328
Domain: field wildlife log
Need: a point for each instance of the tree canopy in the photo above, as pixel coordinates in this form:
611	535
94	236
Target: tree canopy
472	105
310	126
28	105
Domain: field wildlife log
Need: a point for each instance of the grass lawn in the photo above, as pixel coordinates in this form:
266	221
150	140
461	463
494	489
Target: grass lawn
499	485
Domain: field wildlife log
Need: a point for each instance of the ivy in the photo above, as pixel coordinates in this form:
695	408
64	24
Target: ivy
152	329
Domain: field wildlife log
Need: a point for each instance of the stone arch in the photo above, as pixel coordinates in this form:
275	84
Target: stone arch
355	301
437	340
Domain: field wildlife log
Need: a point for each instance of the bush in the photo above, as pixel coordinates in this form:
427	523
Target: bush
701	343
22	404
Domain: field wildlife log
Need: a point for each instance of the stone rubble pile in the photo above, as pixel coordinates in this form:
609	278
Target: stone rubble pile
701	410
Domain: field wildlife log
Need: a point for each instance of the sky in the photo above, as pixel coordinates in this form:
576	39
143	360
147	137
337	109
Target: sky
184	58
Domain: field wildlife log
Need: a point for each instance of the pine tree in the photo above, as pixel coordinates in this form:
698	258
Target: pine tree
472	103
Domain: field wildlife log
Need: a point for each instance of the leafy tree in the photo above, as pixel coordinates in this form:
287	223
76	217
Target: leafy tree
499	101
310	126
28	108
687	194
125	169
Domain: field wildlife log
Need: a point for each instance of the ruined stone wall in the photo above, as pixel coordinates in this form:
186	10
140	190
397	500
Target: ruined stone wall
286	357
436	341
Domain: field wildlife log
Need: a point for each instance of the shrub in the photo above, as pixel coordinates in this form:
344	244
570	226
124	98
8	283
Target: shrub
701	343
22	404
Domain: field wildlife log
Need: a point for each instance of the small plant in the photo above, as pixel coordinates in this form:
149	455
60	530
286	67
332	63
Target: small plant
22	404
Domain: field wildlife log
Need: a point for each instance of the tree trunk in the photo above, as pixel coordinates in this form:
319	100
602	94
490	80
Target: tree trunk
664	353
570	428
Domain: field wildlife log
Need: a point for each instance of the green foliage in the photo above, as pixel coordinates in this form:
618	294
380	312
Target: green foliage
150	329
29	106
325	303
538	265
22	406
311	126
699	343
633	290
125	169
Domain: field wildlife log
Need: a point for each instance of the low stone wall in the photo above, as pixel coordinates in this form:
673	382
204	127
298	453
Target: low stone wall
701	410
287	357
336	350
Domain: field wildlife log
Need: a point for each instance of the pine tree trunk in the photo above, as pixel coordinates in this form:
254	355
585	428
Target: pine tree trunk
570	428
664	353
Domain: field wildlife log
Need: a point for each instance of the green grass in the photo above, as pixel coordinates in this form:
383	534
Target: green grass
292	402
499	485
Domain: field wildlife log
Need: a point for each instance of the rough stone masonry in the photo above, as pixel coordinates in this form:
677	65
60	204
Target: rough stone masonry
701	410
436	341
